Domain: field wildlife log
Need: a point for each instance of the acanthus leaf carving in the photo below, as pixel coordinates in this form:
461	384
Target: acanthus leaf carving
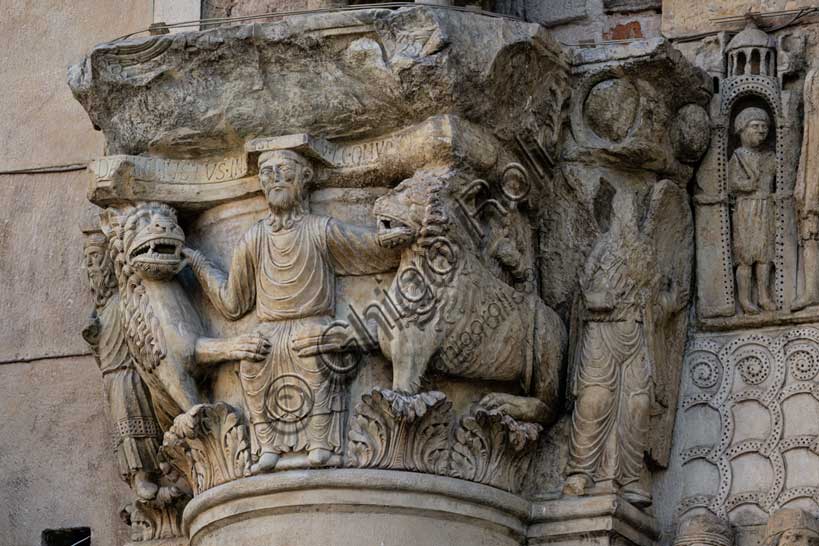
160	518
209	445
151	520
401	432
493	448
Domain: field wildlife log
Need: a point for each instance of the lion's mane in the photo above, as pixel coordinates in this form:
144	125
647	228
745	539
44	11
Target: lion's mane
143	330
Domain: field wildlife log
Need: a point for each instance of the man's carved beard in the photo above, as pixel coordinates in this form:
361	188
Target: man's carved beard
281	201
285	208
102	285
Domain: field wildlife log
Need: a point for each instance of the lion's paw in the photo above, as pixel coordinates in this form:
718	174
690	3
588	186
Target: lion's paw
520	408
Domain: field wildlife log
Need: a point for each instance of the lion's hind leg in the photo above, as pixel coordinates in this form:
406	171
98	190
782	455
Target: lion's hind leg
543	403
549	341
180	386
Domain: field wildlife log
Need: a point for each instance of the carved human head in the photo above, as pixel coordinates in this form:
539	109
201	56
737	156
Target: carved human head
752	126
704	530
99	267
284	175
791	527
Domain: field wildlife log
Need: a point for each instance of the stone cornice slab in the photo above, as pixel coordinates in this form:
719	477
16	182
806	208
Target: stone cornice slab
332	75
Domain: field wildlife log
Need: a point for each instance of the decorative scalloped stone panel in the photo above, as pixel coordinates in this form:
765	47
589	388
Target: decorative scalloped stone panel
756	388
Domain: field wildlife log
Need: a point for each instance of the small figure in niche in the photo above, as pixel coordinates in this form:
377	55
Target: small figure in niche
751	178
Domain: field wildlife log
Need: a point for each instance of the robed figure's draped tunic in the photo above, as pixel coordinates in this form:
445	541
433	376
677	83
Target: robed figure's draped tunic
136	435
751	179
806	192
294	403
614	374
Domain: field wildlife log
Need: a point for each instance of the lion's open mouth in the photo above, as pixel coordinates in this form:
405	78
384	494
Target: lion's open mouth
161	250
387	223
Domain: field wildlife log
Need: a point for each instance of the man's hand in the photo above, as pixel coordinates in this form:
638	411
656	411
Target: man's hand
91	332
334	337
396	237
244	347
191	256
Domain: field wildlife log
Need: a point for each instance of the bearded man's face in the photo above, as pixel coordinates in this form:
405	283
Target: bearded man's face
94	258
282	179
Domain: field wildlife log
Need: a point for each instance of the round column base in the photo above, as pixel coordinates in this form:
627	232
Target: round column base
353	507
161	542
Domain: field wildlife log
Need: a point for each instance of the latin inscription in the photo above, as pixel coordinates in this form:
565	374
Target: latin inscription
174	171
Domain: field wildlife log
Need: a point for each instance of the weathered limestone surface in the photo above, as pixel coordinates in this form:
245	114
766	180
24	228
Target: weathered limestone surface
681	17
463	141
748	450
485	191
744	446
41	222
53	411
240	8
610	186
53	407
177	11
426	276
574	22
600	520
365	67
42	124
392	508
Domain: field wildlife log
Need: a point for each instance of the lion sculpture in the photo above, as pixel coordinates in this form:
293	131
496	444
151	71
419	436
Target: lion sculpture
459	319
165	333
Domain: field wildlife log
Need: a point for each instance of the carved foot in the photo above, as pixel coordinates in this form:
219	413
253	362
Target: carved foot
319	456
748	308
803	301
520	408
576	485
767	304
267	462
144	487
169	493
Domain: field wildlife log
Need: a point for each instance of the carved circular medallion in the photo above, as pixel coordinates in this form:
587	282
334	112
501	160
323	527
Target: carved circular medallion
804	364
690	133
704	374
289	398
611	108
754	370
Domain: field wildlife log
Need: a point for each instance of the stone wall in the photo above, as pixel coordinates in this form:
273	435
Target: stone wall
56	464
742	447
590	21
683	17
